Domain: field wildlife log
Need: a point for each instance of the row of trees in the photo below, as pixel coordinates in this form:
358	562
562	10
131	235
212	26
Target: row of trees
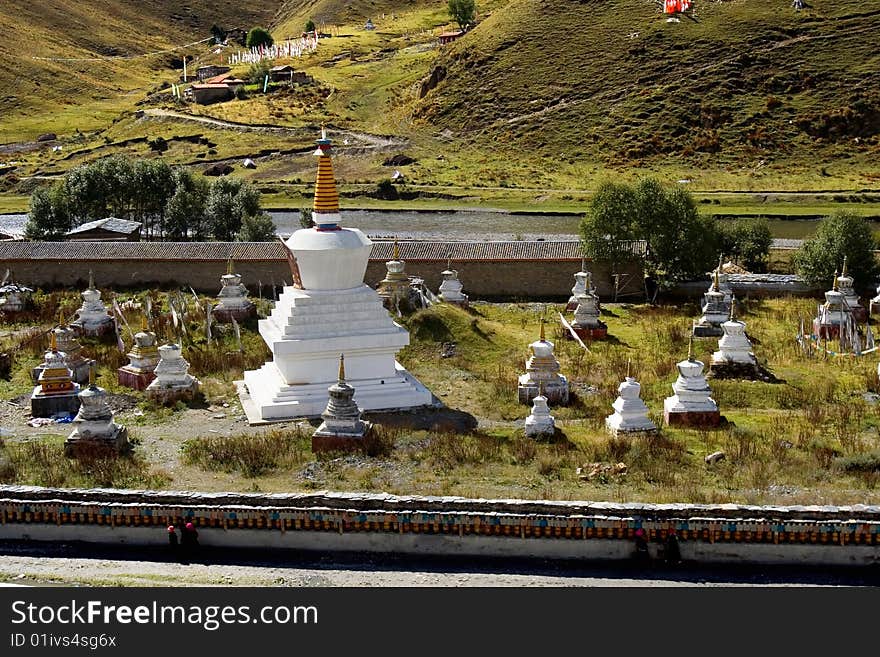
171	203
679	242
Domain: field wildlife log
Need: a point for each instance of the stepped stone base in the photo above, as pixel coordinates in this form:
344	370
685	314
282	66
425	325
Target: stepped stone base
748	371
225	315
93	331
692	419
555	394
708	331
826	331
588	333
116	442
171	395
50	405
327	443
134	380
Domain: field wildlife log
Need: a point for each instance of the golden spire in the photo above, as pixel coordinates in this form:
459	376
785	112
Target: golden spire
732	308
53	342
691	347
834	285
326	197
395	253
92	374
229	268
60	318
843	273
341	368
543	339
144	324
716	285
91	280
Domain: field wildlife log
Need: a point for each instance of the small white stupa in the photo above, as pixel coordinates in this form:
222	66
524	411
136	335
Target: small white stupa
540	423
586	321
173	380
716	310
583	283
329	310
542	371
79	365
55	392
342	428
692	404
630	412
451	288
833	315
13	297
92	317
845	284
94	423
233	298
734	358
142	360
723	279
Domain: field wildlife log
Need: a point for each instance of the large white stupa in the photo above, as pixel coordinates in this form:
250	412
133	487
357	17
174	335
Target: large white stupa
327	311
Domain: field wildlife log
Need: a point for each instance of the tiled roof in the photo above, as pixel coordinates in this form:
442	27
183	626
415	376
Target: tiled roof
428	250
112	224
514	250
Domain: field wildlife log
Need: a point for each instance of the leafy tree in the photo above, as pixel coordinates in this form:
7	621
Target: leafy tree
306	219
679	243
185	212
747	241
843	234
259	36
49	216
230	200
608	229
463	12
310	26
258	72
257	228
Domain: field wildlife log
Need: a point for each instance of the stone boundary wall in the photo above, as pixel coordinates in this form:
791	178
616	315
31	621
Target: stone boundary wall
444	525
546	272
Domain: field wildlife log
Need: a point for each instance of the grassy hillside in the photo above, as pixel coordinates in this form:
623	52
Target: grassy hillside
40	94
745	84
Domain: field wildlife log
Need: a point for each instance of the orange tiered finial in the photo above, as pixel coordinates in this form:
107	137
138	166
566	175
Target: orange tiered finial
326	196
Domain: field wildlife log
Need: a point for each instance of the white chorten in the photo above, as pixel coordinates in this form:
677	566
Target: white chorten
722	279
395	289
94	421
845	286
832	315
329	310
142	360
92	317
692	404
583	283
173	380
542	371
630	412
540	422
451	289
716	310
233	298
13	298
734	346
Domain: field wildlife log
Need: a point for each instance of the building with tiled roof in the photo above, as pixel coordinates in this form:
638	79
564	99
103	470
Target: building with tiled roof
104	230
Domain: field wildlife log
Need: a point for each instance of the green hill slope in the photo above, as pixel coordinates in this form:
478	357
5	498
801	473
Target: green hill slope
43	45
744	83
